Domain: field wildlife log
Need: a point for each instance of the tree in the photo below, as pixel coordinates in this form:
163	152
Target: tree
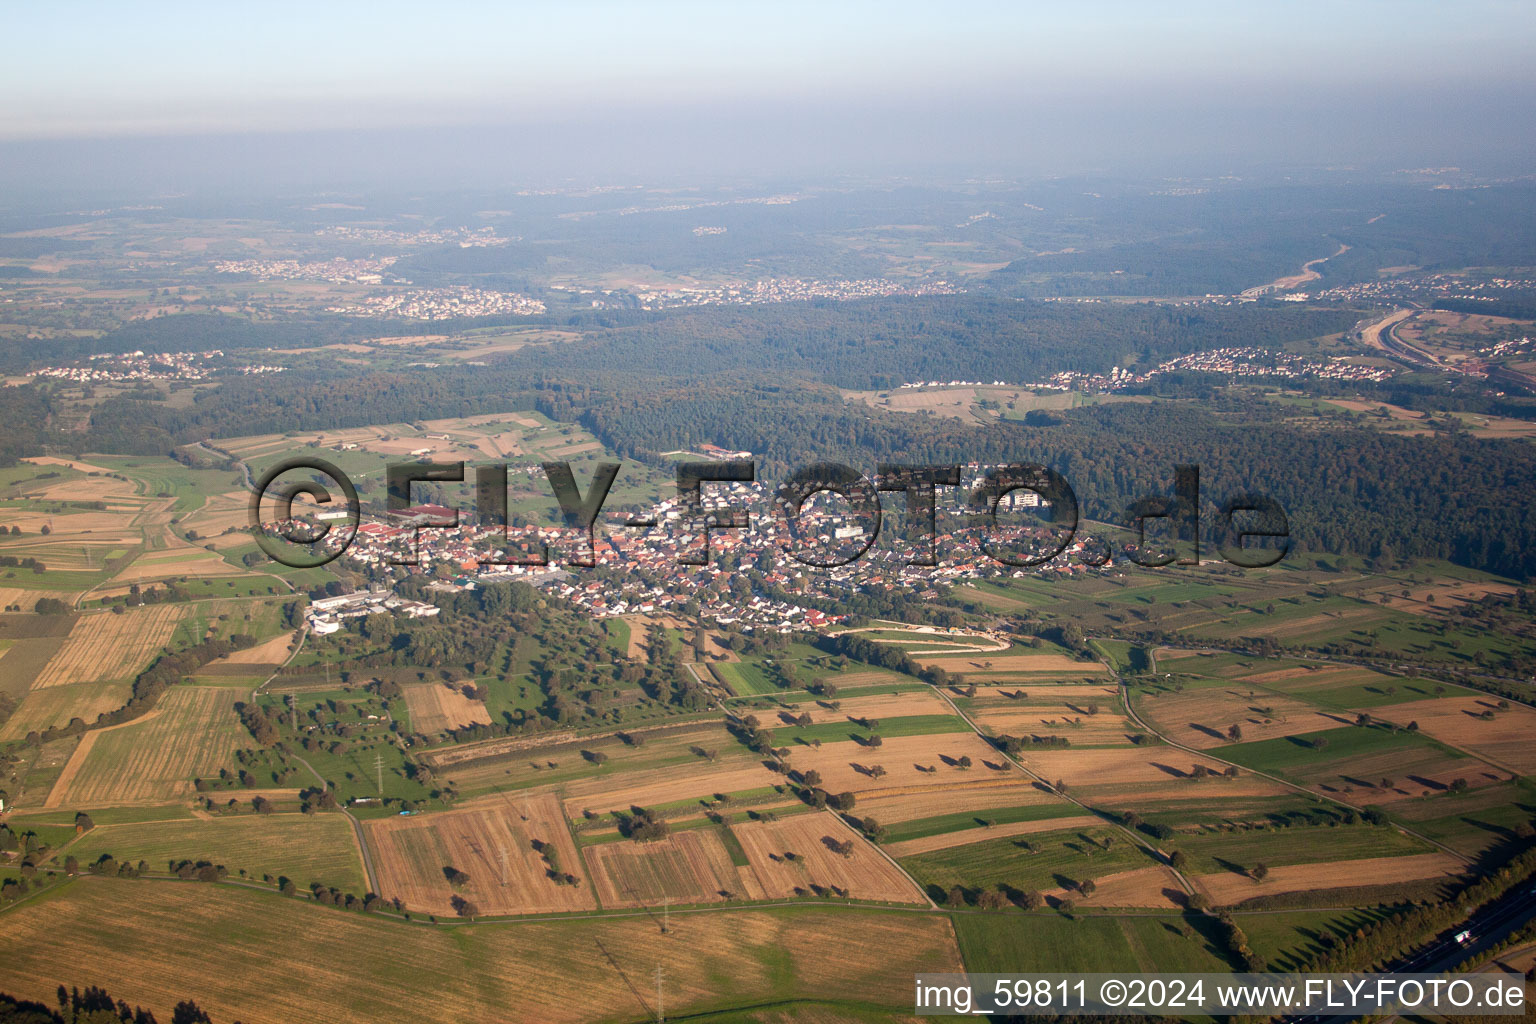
1087	887
1259	871
189	1012
1235	733
1179	860
964	762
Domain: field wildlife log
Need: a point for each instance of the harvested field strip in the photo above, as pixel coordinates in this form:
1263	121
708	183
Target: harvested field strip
688	867
25	660
940	724
946	840
989	664
182	562
41	710
1504	736
1226	887
28	598
437	708
907	803
1154	886
864	873
1026	806
1048	861
492	843
1102	767
105	645
270	652
881	706
206	937
192	733
664	786
905	761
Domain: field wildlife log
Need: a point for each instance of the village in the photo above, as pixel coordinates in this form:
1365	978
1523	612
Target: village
750	578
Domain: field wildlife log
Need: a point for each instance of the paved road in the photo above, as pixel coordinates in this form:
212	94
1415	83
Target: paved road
1489	926
357	828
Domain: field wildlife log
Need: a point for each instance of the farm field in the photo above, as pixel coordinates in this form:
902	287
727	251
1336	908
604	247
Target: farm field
437	707
205	938
1237	852
654	787
1043	862
107	645
906	760
1203	718
222	520
176	562
1095	770
982	833
685	867
43	709
1359	761
864	874
305	848
490	841
979	668
267	654
1007	943
1084	724
1227	887
541	762
882	706
28	598
1504	736
955	795
192	733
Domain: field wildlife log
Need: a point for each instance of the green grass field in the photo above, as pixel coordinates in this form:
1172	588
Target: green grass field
921	828
1048	942
1238	851
1064	859
305	848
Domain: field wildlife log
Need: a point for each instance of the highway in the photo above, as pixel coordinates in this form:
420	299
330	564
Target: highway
1489	926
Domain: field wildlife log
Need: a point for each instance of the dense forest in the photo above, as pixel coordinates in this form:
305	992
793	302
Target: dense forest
1344	490
765	379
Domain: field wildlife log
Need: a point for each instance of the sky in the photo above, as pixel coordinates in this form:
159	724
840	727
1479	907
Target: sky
726	87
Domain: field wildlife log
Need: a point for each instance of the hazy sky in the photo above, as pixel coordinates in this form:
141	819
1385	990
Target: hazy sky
813	83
